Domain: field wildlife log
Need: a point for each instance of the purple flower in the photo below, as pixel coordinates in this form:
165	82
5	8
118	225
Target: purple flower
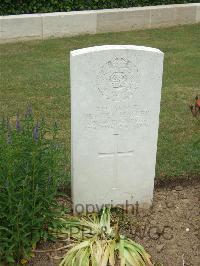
18	122
36	132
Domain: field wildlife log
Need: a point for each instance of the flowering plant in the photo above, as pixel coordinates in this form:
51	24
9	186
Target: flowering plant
30	164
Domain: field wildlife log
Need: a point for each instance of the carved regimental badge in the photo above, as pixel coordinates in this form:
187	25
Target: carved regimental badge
118	79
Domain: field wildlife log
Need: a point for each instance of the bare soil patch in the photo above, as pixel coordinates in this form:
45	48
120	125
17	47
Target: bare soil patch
169	231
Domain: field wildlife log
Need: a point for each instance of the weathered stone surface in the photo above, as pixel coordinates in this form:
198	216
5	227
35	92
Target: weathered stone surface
21	27
115	94
71	23
186	14
198	13
59	24
161	17
123	19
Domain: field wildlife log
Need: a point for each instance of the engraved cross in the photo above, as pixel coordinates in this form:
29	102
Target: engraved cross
116	153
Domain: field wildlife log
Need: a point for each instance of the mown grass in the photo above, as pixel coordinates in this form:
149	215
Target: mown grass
38	72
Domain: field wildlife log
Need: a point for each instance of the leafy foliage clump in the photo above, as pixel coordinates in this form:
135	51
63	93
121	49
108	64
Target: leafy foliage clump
98	242
30	163
11	7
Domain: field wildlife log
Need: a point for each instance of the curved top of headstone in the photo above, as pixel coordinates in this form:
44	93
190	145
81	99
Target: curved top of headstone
114	47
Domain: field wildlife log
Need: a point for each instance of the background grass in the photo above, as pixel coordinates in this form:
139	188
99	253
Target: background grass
38	72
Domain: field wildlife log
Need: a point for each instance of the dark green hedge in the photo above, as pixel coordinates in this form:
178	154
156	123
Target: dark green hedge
10	7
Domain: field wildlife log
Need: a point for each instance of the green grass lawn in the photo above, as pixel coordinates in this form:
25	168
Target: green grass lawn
38	72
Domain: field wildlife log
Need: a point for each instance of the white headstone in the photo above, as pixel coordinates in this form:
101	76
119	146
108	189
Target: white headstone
115	105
